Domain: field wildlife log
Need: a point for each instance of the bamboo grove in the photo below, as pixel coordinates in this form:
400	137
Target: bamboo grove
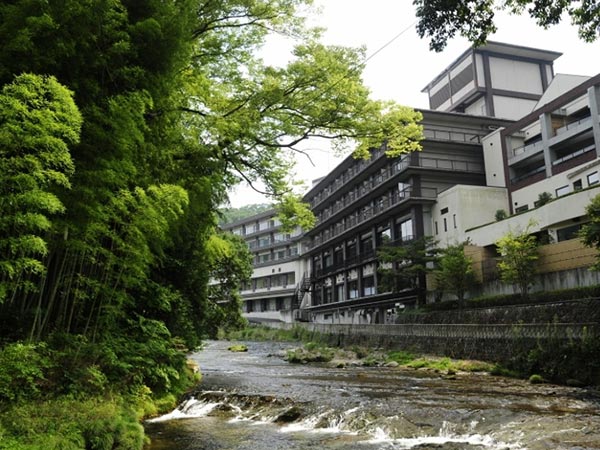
123	125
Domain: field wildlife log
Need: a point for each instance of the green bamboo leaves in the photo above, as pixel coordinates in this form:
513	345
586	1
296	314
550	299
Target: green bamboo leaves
38	122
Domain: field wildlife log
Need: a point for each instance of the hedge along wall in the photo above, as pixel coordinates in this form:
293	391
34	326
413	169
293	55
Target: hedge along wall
562	265
560	340
498	343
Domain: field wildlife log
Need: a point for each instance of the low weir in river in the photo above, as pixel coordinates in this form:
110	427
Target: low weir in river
257	401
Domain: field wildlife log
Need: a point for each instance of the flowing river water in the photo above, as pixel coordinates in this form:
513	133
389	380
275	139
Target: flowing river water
257	401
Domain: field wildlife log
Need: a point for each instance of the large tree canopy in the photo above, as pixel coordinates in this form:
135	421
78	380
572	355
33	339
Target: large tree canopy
441	20
176	108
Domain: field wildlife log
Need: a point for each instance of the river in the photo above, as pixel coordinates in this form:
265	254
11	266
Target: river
257	401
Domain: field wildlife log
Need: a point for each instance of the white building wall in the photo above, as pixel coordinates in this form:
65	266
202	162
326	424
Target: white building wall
467	207
544	217
528	195
479	70
512	108
477	108
492	157
514	75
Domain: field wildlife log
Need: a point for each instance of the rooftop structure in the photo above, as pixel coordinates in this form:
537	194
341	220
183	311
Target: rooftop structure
495	79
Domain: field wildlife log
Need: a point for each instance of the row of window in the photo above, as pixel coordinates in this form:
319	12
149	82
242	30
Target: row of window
577	185
267	304
266	257
270	281
365	244
357	216
323	295
269	239
345	177
256	227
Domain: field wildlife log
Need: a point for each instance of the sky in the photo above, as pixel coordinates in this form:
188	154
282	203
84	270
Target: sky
402	69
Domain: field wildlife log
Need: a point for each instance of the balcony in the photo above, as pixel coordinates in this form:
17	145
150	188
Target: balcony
422	162
373	211
452	136
525	151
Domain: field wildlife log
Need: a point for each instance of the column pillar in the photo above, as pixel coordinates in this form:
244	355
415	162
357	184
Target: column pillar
546	124
594	101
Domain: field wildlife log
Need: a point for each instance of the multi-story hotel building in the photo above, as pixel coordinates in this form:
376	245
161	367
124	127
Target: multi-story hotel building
503	129
273	290
362	205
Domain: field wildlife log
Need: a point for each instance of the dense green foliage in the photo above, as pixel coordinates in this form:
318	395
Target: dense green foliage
406	265
441	20
123	124
517	299
454	272
590	232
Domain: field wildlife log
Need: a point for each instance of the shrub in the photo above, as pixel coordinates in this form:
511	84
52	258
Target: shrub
23	370
500	215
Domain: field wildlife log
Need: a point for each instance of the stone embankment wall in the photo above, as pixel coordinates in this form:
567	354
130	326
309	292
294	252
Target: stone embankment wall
492	334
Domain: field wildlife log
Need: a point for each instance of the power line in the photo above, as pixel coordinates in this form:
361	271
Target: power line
390	41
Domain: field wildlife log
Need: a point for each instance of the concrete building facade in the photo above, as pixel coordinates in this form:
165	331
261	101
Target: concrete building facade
503	129
273	290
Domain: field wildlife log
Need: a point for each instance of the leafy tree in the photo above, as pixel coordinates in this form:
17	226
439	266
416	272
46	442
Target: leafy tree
230	264
408	265
38	122
455	271
590	232
519	253
441	20
175	109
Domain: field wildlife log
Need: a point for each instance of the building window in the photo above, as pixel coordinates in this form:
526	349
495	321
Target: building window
369	286
406	230
353	289
339	293
563	190
445	225
366	244
327	259
454	220
291	278
593	178
577	185
351	249
567	233
328	295
444	211
384	235
437	231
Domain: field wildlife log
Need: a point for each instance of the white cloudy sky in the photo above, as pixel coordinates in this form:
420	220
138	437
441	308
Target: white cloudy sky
404	67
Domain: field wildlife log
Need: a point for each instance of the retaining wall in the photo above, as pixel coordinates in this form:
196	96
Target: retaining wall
497	342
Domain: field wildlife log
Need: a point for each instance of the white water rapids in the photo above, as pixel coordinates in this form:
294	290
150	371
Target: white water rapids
251	401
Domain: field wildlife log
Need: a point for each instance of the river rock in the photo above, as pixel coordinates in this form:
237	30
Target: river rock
290	415
391	364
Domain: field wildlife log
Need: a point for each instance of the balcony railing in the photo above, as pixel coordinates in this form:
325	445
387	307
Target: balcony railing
528	174
453	136
372	211
572	125
575	154
536	146
424	162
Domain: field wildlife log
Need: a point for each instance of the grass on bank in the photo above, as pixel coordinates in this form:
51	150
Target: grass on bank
63	399
572	362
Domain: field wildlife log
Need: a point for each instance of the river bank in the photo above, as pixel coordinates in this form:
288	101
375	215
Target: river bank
555	353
